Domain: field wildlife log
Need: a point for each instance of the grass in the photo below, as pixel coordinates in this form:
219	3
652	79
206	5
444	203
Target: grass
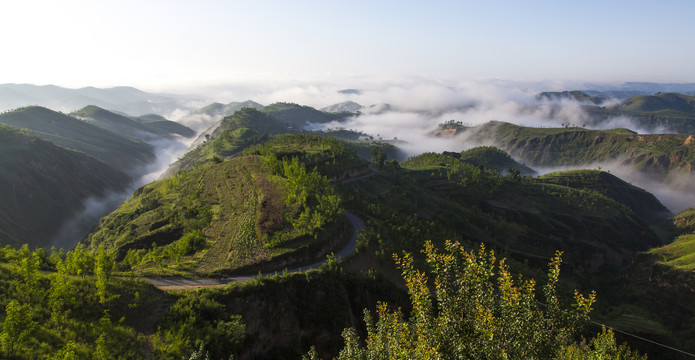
680	254
239	205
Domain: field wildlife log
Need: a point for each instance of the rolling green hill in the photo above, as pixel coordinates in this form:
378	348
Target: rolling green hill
130	127
42	185
660	102
171	127
641	202
298	116
236	132
239	131
571	95
268	208
661	112
223	110
670	158
671	112
120	152
494	158
437	196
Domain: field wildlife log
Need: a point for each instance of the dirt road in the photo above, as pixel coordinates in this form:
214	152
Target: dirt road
349	249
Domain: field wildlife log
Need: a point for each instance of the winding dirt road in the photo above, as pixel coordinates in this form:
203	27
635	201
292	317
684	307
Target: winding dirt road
349	249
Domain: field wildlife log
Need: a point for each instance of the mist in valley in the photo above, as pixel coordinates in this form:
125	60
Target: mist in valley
404	113
75	228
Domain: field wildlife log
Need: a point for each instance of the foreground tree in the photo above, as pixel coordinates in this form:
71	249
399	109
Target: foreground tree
16	328
475	309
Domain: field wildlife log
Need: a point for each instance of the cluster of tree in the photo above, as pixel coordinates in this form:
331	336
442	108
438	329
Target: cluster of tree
316	201
198	322
188	244
328	155
47	315
474	308
477	181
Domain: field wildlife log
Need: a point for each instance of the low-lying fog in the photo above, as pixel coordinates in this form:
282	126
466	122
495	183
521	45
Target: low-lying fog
407	110
79	225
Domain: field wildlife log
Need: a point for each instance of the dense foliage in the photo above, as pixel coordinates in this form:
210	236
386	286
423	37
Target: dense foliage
61	306
475	309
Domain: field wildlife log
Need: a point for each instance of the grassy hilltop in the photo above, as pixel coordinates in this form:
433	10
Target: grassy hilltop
270	209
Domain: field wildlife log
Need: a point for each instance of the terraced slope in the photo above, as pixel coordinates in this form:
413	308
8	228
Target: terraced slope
263	212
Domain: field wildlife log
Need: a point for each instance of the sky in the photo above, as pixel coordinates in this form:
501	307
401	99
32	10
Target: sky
169	45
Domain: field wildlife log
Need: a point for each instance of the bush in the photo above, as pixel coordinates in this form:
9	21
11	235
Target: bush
476	310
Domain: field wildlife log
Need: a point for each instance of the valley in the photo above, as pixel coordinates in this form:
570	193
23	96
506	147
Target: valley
281	224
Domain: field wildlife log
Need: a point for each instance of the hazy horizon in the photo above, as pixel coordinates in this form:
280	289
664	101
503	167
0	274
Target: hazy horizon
176	46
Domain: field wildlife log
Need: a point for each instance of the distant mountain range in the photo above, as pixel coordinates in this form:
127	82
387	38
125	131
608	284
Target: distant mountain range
124	99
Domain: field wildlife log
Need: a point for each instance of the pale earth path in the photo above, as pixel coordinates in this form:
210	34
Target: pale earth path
349	249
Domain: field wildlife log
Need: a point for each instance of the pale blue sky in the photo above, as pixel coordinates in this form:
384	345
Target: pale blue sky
158	45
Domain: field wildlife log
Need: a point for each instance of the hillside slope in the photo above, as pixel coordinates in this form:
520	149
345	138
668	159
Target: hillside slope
233	134
438	197
662	112
641	202
298	116
42	185
117	151
668	158
127	126
267	210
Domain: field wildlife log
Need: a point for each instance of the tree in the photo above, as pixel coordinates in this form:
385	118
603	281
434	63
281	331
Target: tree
515	174
378	156
60	296
16	328
29	288
102	270
476	310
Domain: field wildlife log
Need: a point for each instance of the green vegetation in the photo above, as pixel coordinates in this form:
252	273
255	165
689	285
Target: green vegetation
42	185
644	204
256	199
233	215
235	133
477	310
494	158
120	152
572	95
52	310
68	306
665	156
328	155
223	110
167	126
670	112
198	322
679	255
130	127
663	111
297	116
438	197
